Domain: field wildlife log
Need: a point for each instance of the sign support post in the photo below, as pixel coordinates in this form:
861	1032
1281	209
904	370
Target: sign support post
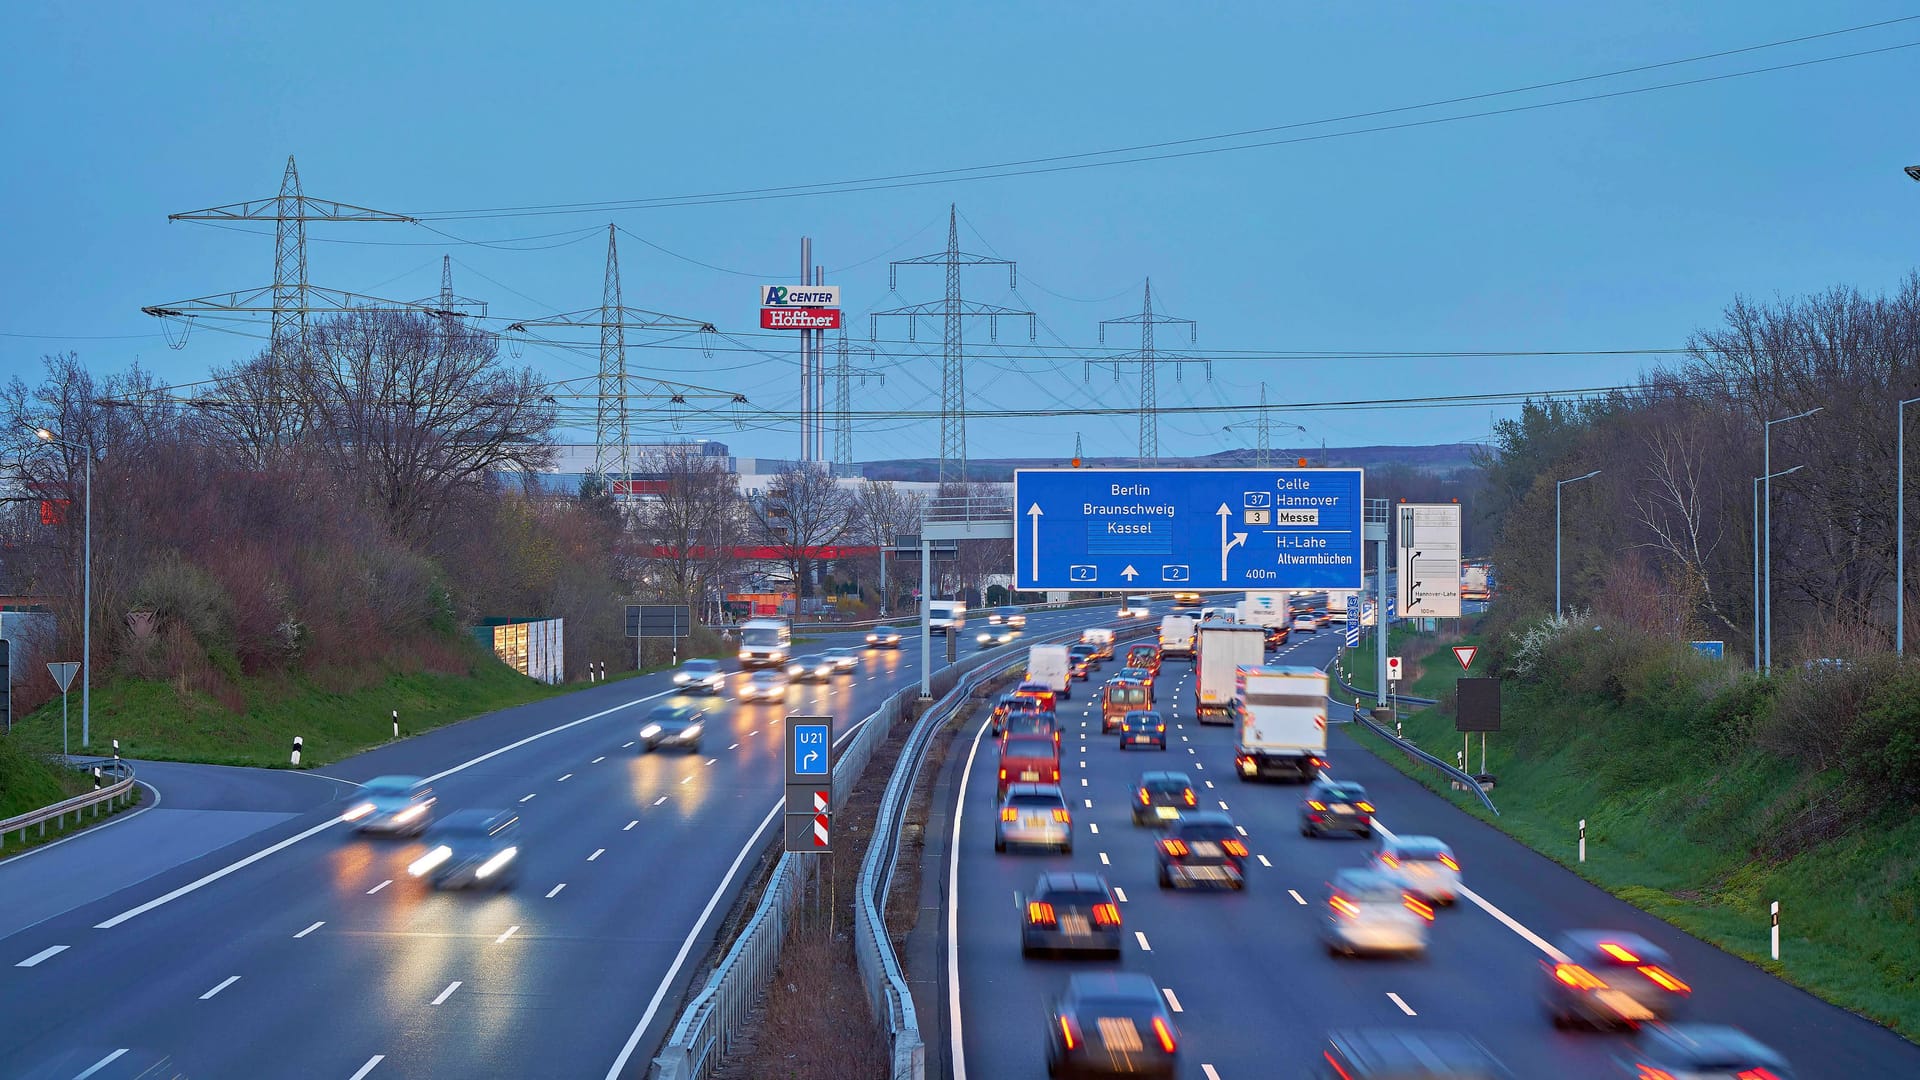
63	675
926	617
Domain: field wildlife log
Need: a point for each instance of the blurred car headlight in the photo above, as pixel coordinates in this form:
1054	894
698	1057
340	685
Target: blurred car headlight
425	863
492	866
871	638
746	654
650	731
358	812
692	731
411	813
681	678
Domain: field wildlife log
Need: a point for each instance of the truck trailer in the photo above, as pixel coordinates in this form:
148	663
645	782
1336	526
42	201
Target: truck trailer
1223	648
1282	713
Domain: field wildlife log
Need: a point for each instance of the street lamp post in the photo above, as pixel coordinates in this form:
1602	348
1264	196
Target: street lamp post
1900	526
86	593
1756	558
886	530
1557	609
1766	473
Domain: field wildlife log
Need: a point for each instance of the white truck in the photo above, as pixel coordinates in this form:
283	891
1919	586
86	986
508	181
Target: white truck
1051	664
1176	635
1223	649
765	642
1339	602
1135	607
1101	638
1260	611
1282	712
946	616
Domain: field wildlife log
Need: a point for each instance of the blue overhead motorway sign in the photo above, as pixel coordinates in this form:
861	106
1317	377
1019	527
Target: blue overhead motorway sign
1090	529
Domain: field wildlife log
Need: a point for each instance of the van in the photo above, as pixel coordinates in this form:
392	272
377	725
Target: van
946	616
1052	665
1101	639
1120	697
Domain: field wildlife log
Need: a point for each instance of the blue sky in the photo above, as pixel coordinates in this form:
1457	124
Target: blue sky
1606	225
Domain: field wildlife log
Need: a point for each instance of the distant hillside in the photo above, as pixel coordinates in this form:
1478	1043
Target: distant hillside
1444	460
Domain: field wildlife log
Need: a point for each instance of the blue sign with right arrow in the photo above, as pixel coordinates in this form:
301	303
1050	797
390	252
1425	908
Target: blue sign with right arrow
1091	529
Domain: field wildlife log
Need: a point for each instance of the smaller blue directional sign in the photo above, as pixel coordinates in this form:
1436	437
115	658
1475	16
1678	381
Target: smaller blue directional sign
810	749
1094	529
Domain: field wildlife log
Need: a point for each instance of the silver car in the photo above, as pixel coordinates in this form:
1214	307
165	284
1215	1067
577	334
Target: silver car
700	675
1035	815
765	686
1072	912
1369	913
401	805
1422	865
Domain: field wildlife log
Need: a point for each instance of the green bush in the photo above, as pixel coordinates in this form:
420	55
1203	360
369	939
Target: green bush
180	593
1725	726
1881	753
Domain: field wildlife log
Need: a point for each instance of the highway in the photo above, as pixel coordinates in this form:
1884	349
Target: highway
1254	986
240	930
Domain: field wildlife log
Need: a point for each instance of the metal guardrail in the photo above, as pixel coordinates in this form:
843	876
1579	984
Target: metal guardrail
955	508
1459	778
90	802
912	618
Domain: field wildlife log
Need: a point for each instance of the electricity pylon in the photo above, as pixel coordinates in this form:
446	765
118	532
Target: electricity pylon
843	376
1149	361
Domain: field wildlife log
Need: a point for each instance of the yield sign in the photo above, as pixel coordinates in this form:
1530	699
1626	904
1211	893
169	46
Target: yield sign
1464	654
63	673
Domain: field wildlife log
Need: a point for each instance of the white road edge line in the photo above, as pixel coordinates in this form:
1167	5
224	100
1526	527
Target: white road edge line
241	864
1404	1007
43	954
115	1056
310	929
365	1069
448	992
224	983
954	1029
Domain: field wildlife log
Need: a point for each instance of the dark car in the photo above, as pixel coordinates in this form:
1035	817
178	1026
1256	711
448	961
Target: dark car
1084	660
1203	849
471	847
1070	912
883	637
1396	1054
1028	759
995	636
1277	636
1112	1025
1143	729
1702	1052
1162	797
1141	675
1610	978
672	725
1018	722
1335	806
1008	703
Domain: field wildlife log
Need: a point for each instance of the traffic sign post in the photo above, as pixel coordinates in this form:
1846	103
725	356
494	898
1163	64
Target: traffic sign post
1428	583
1082	530
1465	654
63	677
809	806
660	621
1393	669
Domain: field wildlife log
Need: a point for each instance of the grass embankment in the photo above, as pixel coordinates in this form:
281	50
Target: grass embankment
29	781
1700	811
1427	660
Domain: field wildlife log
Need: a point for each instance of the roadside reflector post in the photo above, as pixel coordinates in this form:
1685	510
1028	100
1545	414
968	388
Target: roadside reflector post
96	778
298	742
116	749
1775	929
396	723
1583	839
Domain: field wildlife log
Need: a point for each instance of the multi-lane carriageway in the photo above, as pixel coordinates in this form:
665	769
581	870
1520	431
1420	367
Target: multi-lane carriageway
1252	986
237	929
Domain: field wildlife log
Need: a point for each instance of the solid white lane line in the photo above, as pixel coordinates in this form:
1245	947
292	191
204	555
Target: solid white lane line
565	778
1404	1007
630	825
448	992
1103	859
529	796
556	890
34	960
1120	894
115	1056
1142	939
659	800
1514	925
597	852
1263	861
598	760
1172	1002
224	983
510	931
380	886
1297	898
310	929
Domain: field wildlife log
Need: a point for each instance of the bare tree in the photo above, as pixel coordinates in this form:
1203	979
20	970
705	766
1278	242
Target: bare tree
687	528
881	512
803	511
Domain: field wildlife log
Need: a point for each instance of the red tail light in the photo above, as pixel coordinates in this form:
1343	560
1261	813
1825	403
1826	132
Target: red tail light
1176	848
1008	813
1040	912
1003	774
1365	807
1066	1033
1344	906
1056	774
1618	952
1387	861
1316	804
1344	1075
1234	847
1447	861
1415	905
1665	980
1191	801
1062	815
1164	1033
1106	915
1756	1074
1648	1072
1145	799
1577	977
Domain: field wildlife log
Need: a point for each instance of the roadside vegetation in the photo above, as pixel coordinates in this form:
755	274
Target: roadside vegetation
30	781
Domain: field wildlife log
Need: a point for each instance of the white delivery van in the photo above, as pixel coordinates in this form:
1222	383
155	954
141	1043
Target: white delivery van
765	642
1176	635
1135	607
946	616
1101	639
1223	649
1282	713
1050	664
1339	602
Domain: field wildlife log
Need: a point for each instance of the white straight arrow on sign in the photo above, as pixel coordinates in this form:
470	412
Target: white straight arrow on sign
1227	545
1129	573
1034	514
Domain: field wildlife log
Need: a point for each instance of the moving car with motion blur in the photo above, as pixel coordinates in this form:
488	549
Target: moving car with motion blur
1039	693
1034	815
1144	656
1083	660
1027	759
1701	1052
1368	913
1070	912
476	848
1610	978
810	668
1202	850
1135	607
401	805
997	720
994	636
1305	623
1143	729
1331	806
765	686
700	676
1031	722
1403	1054
1101	638
677	726
1118	698
1141	675
1161	797
1423	865
1112	1025
1011	617
845	659
883	637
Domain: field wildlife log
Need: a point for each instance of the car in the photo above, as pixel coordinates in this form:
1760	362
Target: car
1031	722
402	805
1277	636
1084	657
812	667
1034	815
1322	618
477	848
701	675
1011	617
1305	623
765	686
672	725
1610	978
994	636
1335	806
883	637
1186	599
997	719
1202	849
1112	1024
1701	1052
1402	1054
1143	729
1101	639
1423	865
1027	759
1144	656
1039	693
1141	675
1070	912
845	660
1161	797
1369	913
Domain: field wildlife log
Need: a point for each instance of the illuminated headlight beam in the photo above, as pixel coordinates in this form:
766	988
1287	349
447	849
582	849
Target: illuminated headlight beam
425	863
